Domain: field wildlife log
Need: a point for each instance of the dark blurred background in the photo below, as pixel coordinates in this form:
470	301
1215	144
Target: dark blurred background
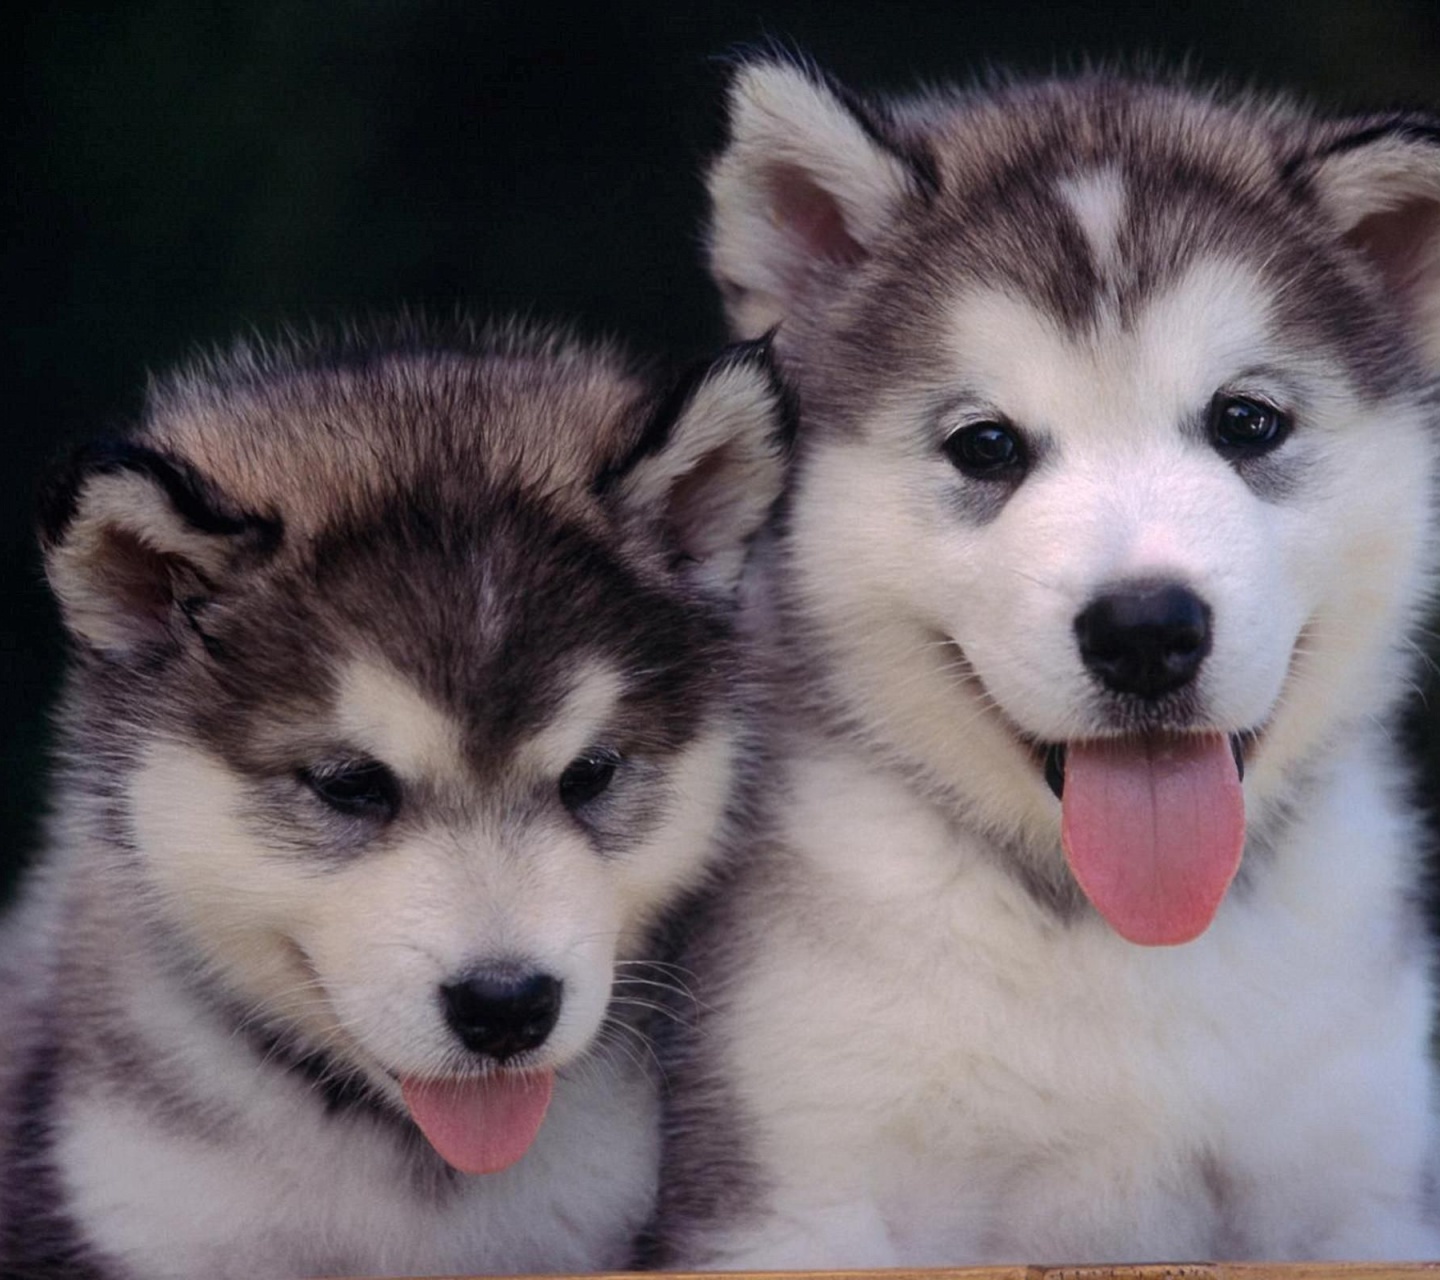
179	171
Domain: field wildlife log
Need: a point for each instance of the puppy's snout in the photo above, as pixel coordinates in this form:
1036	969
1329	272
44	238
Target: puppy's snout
1145	639
500	1013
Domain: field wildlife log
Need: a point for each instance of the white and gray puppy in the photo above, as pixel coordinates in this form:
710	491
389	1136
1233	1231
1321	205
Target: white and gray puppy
403	707
1085	927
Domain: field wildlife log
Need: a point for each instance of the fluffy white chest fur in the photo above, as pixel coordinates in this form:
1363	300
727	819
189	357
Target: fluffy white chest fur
365	1208
940	1070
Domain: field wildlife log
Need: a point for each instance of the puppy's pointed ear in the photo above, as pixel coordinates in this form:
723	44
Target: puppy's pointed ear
137	542
709	465
809	178
1379	179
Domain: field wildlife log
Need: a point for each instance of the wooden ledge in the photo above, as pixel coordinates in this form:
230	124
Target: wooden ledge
1150	1271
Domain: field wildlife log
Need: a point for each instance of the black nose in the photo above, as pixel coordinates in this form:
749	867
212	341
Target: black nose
1145	639
502	1014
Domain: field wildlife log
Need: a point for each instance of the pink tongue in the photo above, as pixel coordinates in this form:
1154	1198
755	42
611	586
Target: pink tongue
1153	829
480	1125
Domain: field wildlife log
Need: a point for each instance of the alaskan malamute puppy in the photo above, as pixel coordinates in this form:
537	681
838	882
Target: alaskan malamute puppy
1087	927
403	706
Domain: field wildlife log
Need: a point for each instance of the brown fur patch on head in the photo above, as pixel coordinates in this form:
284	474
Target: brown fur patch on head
320	428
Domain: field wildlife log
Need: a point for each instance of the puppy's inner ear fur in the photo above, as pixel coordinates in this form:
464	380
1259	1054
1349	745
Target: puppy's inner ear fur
711	473
139	543
1405	244
1383	186
811	217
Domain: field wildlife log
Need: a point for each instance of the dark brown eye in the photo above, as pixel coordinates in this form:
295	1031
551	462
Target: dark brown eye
987	451
1240	426
586	777
358	789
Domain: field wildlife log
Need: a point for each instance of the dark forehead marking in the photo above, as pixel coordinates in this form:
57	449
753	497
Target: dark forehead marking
1175	214
1030	238
1193	175
487	610
1011	226
495	614
1201	178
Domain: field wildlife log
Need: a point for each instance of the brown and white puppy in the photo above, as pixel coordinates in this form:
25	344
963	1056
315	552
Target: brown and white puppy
405	705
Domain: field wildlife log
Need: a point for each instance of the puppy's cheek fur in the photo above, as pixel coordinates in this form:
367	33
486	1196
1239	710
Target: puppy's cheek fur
237	899
672	861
